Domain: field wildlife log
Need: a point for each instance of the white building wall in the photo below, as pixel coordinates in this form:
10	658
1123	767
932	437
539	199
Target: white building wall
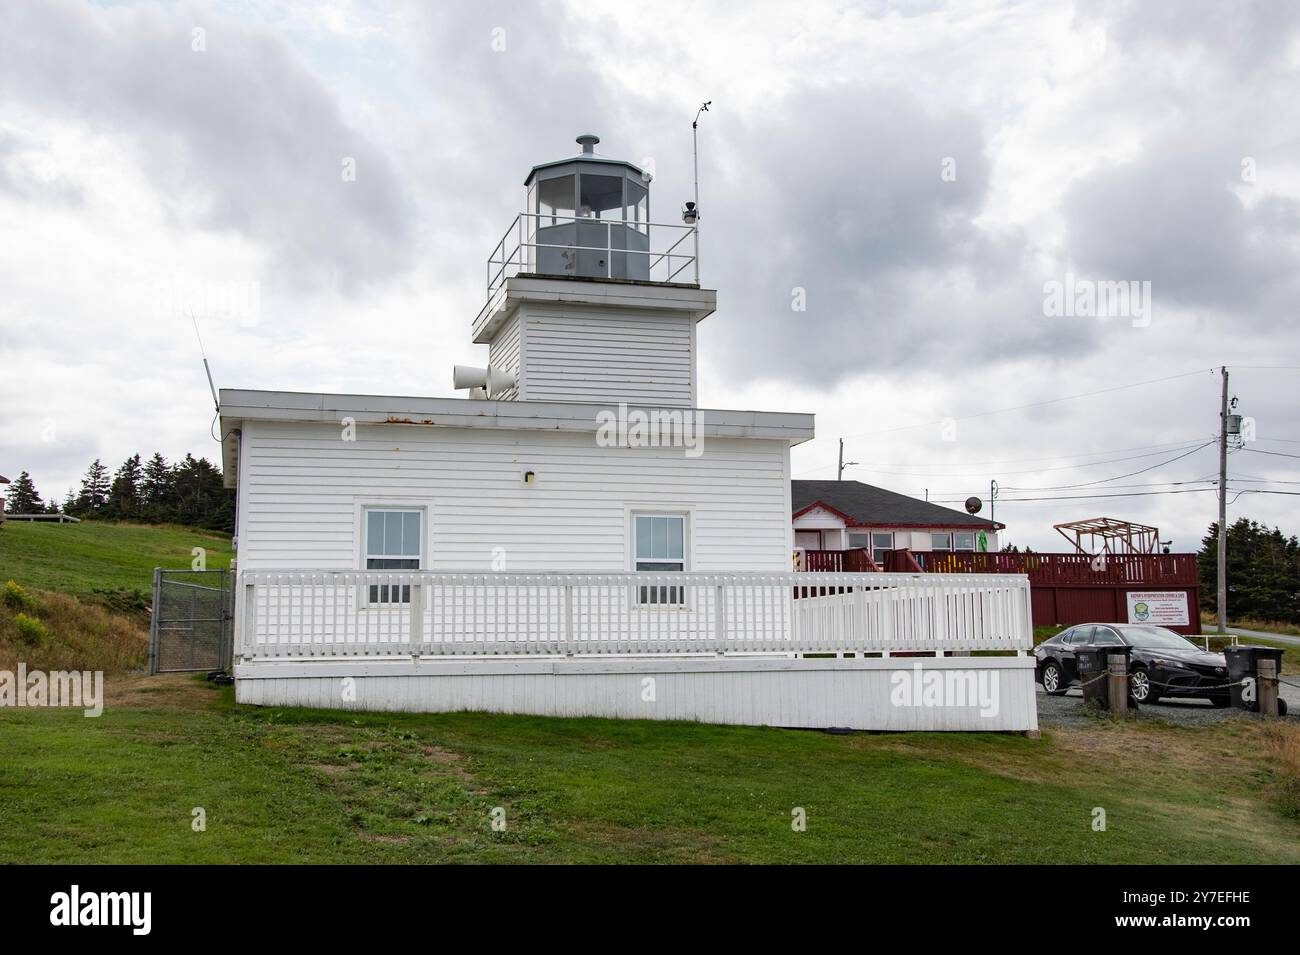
505	353
302	490
580	353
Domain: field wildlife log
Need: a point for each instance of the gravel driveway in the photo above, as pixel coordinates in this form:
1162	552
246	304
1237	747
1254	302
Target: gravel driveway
1069	710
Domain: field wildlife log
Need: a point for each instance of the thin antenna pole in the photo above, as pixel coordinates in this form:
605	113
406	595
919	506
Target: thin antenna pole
695	160
216	404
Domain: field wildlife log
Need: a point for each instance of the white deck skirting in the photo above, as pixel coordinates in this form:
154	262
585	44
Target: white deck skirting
858	693
796	650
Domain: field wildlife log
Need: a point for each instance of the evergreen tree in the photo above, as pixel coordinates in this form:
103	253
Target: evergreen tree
124	495
155	488
22	498
94	489
1263	573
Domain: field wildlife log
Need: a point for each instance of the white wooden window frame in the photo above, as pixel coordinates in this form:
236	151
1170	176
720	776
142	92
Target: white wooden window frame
973	535
363	510
947	534
687	514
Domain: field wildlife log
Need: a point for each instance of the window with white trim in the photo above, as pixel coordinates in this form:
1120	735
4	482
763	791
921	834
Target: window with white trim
881	543
964	540
393	541
941	542
859	540
658	545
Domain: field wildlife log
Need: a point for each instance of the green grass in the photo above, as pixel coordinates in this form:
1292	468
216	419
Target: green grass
284	785
101	560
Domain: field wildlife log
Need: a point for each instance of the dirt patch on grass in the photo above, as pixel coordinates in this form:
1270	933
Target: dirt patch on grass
665	845
165	691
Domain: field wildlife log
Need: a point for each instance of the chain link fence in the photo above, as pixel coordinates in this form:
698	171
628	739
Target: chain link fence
193	620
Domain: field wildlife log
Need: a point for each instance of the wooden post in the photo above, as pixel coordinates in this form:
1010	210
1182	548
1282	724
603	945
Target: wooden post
1266	687
417	618
1118	688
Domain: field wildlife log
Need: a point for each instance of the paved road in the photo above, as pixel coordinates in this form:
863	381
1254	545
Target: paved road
1290	641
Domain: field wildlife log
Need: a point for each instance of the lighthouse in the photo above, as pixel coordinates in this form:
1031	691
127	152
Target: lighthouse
587	299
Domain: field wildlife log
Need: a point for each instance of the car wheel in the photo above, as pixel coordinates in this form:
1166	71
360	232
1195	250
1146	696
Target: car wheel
1141	687
1053	679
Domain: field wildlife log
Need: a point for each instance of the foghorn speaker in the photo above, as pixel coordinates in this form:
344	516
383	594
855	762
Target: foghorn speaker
465	376
498	381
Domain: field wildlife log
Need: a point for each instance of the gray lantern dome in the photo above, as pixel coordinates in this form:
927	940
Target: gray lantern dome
588	215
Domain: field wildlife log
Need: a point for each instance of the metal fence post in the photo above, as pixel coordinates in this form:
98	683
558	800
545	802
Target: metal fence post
153	622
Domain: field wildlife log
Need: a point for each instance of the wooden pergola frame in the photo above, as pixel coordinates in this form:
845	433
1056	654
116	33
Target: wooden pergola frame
1116	536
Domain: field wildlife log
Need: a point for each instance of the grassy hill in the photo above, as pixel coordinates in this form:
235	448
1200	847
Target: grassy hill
89	586
97	560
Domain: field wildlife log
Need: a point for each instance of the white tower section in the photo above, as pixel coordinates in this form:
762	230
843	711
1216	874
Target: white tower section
588	300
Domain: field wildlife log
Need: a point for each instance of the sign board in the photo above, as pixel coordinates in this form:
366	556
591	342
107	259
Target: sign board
1161	607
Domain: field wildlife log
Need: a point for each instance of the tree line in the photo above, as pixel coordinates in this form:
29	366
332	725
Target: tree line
153	492
1263	572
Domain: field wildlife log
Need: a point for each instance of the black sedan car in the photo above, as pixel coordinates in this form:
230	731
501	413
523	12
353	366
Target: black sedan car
1162	663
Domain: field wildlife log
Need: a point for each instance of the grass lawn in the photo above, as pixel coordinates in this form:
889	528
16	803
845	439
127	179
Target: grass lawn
95	557
283	785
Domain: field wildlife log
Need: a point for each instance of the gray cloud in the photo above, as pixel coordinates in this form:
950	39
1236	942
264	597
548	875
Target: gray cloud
239	137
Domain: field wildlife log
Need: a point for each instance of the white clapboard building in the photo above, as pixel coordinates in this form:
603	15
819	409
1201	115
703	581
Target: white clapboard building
576	536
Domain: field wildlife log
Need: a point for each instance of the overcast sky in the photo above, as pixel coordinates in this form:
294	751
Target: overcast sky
917	173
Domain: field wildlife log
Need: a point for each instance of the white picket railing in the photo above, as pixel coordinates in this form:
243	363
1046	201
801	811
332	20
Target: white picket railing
344	614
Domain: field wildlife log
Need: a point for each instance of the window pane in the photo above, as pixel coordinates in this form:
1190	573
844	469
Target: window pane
636	203
374	532
941	541
411	534
676	531
659	545
601	197
555	199
883	540
392	533
965	541
643	536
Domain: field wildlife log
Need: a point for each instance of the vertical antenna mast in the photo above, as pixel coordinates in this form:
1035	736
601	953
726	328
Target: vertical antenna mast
691	214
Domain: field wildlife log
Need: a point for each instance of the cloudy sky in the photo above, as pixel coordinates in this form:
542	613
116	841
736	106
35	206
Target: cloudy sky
916	173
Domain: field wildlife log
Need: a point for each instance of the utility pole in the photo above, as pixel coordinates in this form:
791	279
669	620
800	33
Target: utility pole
1222	599
839	475
993	494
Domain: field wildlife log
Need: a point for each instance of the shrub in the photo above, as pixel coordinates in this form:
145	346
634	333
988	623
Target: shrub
30	630
15	598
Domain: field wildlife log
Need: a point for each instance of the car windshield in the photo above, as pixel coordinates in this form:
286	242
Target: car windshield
1157	638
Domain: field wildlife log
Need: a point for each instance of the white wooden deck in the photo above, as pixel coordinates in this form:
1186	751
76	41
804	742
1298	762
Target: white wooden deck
766	649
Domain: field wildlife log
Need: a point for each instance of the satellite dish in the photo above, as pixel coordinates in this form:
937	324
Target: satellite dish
973	505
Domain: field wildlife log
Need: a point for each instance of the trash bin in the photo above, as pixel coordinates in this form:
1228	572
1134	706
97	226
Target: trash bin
1242	663
1094	671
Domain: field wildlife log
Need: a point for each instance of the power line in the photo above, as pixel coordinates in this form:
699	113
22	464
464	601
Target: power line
1061	467
1068	487
1032	404
1098	497
1276	454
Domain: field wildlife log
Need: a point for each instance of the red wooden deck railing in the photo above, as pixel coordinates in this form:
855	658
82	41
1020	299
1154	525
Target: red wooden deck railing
1070	570
853	560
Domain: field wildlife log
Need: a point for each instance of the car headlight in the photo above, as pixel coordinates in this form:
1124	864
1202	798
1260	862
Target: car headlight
1166	662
